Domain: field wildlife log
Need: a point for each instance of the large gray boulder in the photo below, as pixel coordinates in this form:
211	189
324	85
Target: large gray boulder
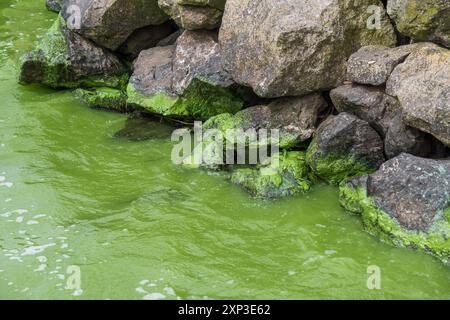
194	14
384	114
345	146
110	22
422	86
422	20
298	48
185	80
406	202
64	59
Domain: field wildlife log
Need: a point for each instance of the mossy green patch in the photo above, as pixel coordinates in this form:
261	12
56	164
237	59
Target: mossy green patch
201	100
104	98
334	168
378	223
284	174
50	64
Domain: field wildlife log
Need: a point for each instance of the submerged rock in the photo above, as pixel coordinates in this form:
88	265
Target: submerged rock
296	118
63	59
289	176
405	203
141	129
422	20
422	86
183	81
384	114
107	98
298	48
110	22
344	146
194	14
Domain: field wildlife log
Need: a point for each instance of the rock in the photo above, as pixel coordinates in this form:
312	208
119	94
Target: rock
138	128
344	146
107	98
422	86
401	138
171	39
373	65
370	104
145	38
271	180
296	118
299	48
63	59
109	23
150	86
384	114
405	203
184	81
54	5
422	20
194	14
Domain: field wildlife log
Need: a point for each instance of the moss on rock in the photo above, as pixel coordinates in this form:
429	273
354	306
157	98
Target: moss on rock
104	97
334	168
289	176
378	223
63	59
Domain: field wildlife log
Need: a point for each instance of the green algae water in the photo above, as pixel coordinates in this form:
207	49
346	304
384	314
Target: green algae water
73	192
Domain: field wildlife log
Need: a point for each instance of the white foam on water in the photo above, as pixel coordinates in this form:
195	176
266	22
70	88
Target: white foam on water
36	249
41	268
144	282
141	290
32	222
77	293
330	252
2	178
292	273
154	296
19	219
38	216
42	259
169	291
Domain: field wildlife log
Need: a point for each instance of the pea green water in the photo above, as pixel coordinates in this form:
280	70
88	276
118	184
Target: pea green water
72	193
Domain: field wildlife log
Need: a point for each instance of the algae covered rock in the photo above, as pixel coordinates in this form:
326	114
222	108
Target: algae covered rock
405	203
110	22
288	175
293	47
194	14
63	59
344	146
185	80
422	20
295	118
107	98
422	86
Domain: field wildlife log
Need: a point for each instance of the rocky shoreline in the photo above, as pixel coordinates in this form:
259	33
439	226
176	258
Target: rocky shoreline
360	92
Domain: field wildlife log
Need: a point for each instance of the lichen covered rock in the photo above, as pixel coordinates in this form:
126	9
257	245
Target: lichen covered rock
293	47
107	98
289	176
63	59
405	203
295	118
422	20
54	5
183	81
194	14
344	146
